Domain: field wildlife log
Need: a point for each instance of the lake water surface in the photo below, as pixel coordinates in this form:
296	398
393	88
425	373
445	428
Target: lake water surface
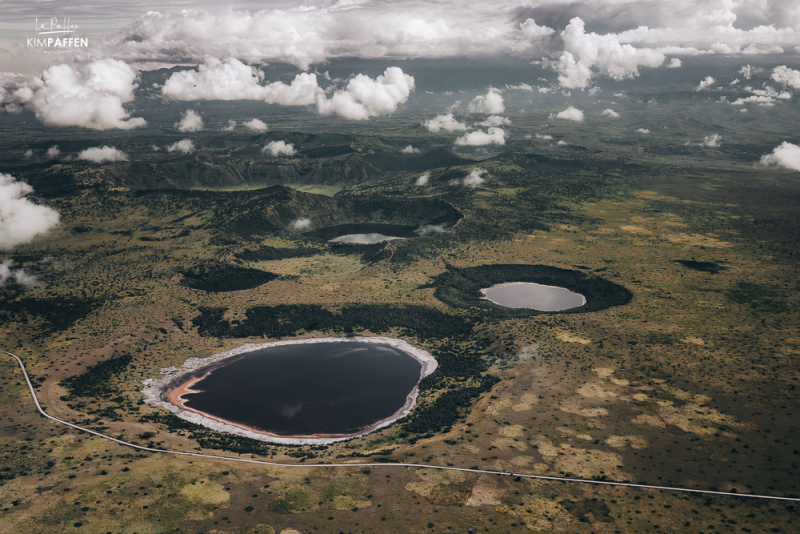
363	233
305	389
363	239
532	296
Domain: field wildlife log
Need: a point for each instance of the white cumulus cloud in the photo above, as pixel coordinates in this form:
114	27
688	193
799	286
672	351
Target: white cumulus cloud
302	223
410	150
230	79
712	141
364	97
490	103
571	114
705	83
423	179
21	276
674	63
531	30
21	219
785	155
521	87
448	123
184	145
786	76
191	121
475	178
90	95
256	125
643	131
103	154
495	120
586	54
610	113
494	136
53	152
279	148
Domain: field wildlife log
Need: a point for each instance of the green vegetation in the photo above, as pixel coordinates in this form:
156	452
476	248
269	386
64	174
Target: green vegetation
272	253
56	315
287	320
217	277
702	266
96	380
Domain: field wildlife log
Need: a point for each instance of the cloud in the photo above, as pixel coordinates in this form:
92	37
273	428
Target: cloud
588	53
544	137
495	120
302	223
712	141
674	63
763	97
423	179
475	178
100	155
786	76
231	79
365	97
190	122
428	229
90	95
610	113
520	87
184	145
20	219
21	276
494	136
410	150
748	70
531	30
571	114
448	123
28	154
644	131
309	34
256	125
490	103
231	126
707	82
316	32
785	155
53	152
279	148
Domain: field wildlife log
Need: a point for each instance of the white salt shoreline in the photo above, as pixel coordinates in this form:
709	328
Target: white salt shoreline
154	388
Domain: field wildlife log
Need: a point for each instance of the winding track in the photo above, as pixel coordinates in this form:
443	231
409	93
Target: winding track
384	465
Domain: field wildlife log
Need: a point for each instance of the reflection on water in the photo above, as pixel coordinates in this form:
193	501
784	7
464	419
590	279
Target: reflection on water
532	296
363	239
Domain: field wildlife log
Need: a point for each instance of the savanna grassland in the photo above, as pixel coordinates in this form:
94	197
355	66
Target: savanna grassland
691	381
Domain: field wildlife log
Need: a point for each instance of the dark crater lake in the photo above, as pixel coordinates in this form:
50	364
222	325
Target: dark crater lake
305	389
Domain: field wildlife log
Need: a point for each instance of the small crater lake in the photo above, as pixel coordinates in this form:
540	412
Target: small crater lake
363	233
528	295
305	389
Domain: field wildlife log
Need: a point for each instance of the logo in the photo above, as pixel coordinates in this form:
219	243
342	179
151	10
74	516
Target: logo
60	28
